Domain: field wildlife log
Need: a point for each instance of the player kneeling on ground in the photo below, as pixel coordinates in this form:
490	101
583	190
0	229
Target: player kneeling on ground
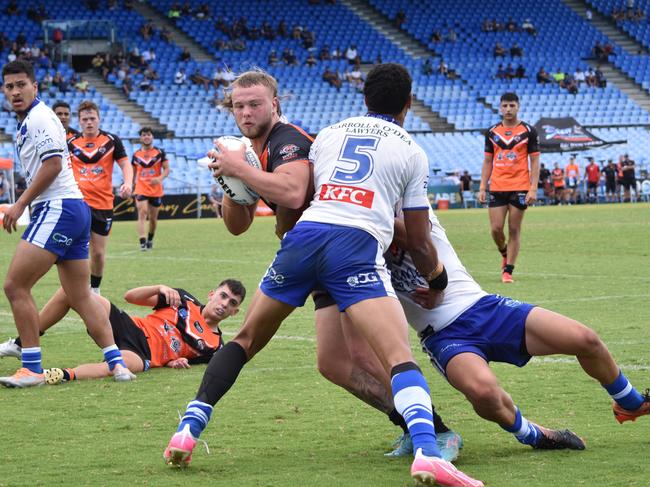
179	332
470	328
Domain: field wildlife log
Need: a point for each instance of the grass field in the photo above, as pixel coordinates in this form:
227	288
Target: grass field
284	425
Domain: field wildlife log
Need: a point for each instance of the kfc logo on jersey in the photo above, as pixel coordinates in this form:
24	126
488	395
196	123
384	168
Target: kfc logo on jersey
347	194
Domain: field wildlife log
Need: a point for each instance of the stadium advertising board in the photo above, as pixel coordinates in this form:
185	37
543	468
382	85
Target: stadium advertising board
173	206
566	134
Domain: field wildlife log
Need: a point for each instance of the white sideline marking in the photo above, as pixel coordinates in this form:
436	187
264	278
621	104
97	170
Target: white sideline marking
567	276
593	298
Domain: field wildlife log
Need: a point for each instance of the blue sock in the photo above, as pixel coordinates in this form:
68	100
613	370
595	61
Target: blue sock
525	432
197	416
31	358
113	356
622	392
413	402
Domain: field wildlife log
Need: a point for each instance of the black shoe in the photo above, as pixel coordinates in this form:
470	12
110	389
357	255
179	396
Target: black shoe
149	244
143	247
558	440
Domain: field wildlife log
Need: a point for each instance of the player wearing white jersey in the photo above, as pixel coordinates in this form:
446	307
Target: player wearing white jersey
360	172
58	232
470	328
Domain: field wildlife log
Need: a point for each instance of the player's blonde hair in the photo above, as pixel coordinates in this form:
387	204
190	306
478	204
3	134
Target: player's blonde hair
247	79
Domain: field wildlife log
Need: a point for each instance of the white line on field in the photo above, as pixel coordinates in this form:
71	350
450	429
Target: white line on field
593	298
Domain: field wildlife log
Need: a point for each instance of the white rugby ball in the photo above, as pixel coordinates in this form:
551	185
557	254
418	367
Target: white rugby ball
234	188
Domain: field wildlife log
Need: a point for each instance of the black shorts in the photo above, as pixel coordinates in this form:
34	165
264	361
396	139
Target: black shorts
101	221
629	183
610	186
592	185
504	198
128	336
322	299
154	201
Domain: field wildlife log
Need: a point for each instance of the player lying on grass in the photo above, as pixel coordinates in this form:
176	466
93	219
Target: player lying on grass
471	328
180	331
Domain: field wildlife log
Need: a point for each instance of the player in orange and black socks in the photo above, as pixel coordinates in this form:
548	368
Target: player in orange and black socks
509	145
151	167
93	154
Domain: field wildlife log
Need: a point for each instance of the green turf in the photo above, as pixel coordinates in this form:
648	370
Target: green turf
284	425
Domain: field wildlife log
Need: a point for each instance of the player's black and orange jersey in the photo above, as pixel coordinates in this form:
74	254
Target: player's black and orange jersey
92	163
510	148
175	332
286	143
148	164
557	175
70	132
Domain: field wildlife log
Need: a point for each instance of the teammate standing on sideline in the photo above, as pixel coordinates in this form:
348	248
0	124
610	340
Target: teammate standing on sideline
62	111
58	232
557	176
513	184
93	153
572	174
470	328
362	167
151	168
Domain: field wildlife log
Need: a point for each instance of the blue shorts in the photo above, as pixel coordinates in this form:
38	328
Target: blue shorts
347	262
494	328
61	227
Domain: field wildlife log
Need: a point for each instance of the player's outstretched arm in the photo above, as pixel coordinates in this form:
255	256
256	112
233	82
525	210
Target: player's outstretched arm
148	295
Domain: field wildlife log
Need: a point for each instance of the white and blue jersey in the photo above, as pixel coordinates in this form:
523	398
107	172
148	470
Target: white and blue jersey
60	219
467	320
362	167
39	137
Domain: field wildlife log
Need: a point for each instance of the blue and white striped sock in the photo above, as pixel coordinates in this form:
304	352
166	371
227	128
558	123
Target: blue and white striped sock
524	431
622	392
31	358
197	415
413	402
113	356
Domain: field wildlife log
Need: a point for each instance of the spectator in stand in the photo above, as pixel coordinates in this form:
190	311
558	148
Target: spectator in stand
203	12
599	77
186	9
355	77
267	31
60	83
273	58
185	56
558	76
598	52
127	84
216	199
180	77
610	171
333	79
589	15
572	174
516	51
166	34
289	57
238	45
590	78
569	84
427	67
628	179
296	32
148	56
511	25
81	85
443	69
592	175
527	26
557	176
147	30
311	60
436	37
45	85
12	8
57	36
97	63
579	76
282	28
486	26
400	18
501	73
308	39
451	35
21	39
337	53
351	54
324	54
498	50
510	71
608	50
520	72
198	79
